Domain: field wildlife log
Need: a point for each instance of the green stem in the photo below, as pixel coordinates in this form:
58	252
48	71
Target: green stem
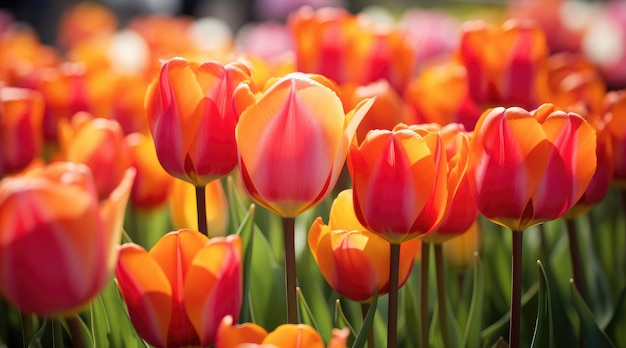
424	320
516	290
290	269
365	306
575	256
201	207
441	294
27	328
57	333
392	322
73	323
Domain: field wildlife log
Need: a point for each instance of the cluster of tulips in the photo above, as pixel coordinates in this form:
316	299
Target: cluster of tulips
166	185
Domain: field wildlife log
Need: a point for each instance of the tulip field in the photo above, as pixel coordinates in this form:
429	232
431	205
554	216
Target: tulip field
411	177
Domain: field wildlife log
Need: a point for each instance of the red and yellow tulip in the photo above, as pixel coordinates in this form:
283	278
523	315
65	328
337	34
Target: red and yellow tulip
530	167
57	238
293	140
614	117
100	144
400	182
21	137
284	336
192	119
355	261
179	291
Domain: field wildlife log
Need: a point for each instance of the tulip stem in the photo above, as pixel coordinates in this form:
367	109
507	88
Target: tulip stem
424	294
575	256
74	325
27	328
441	294
201	207
516	290
392	322
365	307
290	269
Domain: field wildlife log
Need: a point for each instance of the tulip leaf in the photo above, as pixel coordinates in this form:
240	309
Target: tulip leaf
35	342
411	313
245	231
503	322
122	331
236	206
99	323
340	318
474	321
363	334
617	326
591	333
544	313
305	314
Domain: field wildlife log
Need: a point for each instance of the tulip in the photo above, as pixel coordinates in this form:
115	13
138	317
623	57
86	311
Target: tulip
349	49
399	180
284	336
504	63
153	185
440	94
293	141
459	251
353	260
83	21
179	291
528	168
183	212
100	144
54	256
191	117
21	138
614	117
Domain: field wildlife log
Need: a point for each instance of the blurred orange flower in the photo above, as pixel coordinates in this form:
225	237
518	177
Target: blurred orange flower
57	238
184	211
614	118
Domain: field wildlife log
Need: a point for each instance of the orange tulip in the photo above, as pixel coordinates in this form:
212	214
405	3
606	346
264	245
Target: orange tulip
100	144
614	117
153	184
400	182
178	293
183	208
459	251
440	94
355	261
530	167
462	210
348	48
57	239
21	138
83	21
293	141
191	117
284	336
503	63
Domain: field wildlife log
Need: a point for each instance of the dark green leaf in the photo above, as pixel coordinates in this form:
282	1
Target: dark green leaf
35	342
245	231
361	338
340	318
592	335
475	317
544	313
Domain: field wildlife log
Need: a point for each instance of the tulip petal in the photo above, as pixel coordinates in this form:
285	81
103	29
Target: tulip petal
294	336
213	288
147	293
229	336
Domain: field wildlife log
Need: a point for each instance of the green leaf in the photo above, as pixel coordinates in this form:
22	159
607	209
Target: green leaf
306	316
544	313
340	318
361	338
99	323
411	313
475	317
35	342
503	322
245	231
122	332
592	335
617	326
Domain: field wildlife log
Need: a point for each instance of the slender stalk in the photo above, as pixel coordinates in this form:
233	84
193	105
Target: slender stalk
575	256
73	323
365	307
290	269
27	328
516	291
203	227
424	294
441	294
392	322
57	333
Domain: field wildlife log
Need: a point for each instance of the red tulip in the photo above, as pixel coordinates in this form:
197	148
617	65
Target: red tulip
57	239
